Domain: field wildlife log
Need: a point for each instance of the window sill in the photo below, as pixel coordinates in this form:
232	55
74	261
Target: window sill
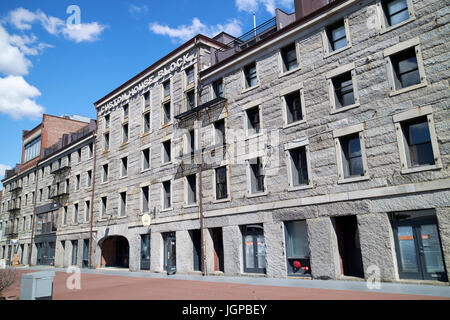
221	200
254	136
354	179
167	210
165	164
286	73
145	134
398	25
293	124
166	99
352	106
422	168
250	89
303	187
255	195
165	125
329	54
403	90
124	144
192	205
146	170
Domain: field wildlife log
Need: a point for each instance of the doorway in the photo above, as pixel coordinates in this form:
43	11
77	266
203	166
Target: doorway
170	253
74	252
115	252
349	246
145	252
217	236
254	249
418	246
85	253
196	238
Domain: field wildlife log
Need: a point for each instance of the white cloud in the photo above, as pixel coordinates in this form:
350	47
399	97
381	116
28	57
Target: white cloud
269	5
27	44
186	32
83	32
23	19
17	98
12	60
135	11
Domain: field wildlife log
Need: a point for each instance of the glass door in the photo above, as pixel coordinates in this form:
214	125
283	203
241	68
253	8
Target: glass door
74	252
418	245
170	256
145	252
254	249
85	253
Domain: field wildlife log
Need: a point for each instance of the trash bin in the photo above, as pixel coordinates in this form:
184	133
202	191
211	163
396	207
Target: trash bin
37	286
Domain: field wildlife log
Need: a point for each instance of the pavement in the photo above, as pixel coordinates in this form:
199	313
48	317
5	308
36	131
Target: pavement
112	284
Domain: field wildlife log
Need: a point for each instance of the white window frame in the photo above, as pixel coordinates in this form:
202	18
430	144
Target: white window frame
337	135
331	90
244	81
257	103
144	113
162	194
281	65
288	147
186	186
250	194
77	211
410	115
122	133
214	131
186	142
119	214
146	108
103	172
402	46
149	158
121	165
86	213
109	141
227	199
171	151
212	93
141	198
326	43
87	178
384	26
284	110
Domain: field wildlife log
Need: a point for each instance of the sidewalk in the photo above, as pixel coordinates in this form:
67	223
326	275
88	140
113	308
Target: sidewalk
116	284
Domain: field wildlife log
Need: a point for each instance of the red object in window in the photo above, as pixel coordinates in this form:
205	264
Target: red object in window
297	264
305	268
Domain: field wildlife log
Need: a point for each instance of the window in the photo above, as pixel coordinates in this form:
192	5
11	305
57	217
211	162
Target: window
106	142
395	11
78	181
294	108
351	159
289	58
26	200
297	248
65	215
299	167
405	66
125	112
89	178
91	151
337	37
406	69
219	128
75	213
49	192
190	75
191	189
190	100
146	127
79	155
166	89
256	176
250	75
40	195
125	133
147	99
253	121
167	200
417	140
166	152
105	173
145	159
104	205
32	149
167	112
343	90
145	198
218	88
87	211
66	188
123	204
107	121
124	167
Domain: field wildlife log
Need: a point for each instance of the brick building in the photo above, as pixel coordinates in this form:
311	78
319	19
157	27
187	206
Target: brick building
315	146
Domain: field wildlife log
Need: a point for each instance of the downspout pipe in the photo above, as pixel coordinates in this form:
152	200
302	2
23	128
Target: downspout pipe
36	182
92	195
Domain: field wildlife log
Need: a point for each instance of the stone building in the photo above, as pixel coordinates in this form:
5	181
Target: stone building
315	146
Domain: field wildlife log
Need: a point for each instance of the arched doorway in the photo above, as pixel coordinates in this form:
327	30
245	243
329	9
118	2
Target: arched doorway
115	252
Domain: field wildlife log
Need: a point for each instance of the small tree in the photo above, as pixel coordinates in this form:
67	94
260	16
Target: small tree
7	278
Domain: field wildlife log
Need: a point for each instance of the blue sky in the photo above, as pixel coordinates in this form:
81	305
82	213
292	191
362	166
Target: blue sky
47	65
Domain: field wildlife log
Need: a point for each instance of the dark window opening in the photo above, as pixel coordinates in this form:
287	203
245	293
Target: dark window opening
343	88
221	183
396	11
254	122
418	142
299	167
250	75
293	107
406	69
337	36
352	161
289	56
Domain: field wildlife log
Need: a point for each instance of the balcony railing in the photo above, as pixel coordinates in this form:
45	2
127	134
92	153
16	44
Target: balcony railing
60	170
46	228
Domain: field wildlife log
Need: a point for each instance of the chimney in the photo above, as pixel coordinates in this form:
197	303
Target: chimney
306	7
